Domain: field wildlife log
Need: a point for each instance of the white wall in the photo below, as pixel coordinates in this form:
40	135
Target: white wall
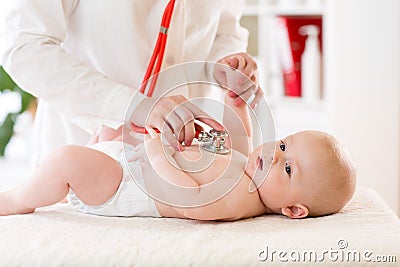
363	82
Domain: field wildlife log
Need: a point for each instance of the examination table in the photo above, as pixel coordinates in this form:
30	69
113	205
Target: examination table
365	232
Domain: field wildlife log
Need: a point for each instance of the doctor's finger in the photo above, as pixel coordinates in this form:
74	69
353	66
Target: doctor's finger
176	125
158	121
248	90
232	94
247	85
187	119
241	63
243	98
204	117
158	112
189	132
247	94
167	133
257	98
233	62
152	133
224	61
250	69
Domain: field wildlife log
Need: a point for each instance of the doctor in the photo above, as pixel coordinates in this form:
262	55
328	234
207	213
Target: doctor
85	60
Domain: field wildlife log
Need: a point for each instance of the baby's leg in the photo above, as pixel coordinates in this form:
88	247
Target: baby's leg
92	175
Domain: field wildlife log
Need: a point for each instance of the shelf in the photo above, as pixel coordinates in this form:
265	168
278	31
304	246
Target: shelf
290	114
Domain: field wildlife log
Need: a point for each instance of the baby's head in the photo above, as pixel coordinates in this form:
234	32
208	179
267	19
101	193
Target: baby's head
310	175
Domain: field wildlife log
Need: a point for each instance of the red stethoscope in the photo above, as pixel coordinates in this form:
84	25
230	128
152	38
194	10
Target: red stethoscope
156	61
213	141
159	49
157	57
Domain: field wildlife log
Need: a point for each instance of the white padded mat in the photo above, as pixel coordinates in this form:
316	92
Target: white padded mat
58	236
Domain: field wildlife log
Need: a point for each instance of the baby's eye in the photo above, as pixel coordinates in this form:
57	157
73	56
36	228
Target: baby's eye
282	146
288	169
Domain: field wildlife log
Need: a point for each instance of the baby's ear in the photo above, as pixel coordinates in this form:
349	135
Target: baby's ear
296	211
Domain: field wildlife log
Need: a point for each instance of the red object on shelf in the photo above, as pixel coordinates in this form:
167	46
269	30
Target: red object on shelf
292	77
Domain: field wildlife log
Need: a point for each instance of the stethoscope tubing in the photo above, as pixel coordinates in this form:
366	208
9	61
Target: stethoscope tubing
156	59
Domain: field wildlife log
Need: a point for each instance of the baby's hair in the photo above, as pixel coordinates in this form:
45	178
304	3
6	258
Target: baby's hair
338	182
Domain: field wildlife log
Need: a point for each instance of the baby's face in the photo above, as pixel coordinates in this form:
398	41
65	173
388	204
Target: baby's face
295	168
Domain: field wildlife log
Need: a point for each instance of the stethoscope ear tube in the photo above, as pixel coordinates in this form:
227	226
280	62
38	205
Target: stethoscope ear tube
158	52
215	140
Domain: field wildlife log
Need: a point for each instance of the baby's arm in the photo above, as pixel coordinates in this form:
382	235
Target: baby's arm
237	121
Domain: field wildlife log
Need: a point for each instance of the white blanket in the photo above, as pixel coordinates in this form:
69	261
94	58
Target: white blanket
58	236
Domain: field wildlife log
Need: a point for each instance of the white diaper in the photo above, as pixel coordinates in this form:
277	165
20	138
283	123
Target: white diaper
130	199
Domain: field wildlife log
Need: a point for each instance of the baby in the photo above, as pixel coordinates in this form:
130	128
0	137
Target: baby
309	174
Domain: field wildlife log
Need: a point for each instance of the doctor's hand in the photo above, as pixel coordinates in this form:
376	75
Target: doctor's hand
175	117
238	73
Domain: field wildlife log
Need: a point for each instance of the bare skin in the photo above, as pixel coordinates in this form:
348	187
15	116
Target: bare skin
92	175
298	164
95	177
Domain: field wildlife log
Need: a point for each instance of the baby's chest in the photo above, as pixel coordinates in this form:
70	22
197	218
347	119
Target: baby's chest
205	167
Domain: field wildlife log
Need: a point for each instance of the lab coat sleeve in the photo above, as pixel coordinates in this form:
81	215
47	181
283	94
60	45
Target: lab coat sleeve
35	59
231	37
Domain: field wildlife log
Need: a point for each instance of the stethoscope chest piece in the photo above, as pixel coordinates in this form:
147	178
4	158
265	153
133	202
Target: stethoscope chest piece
214	142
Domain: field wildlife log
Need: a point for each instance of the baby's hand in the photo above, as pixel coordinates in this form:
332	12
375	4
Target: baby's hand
240	78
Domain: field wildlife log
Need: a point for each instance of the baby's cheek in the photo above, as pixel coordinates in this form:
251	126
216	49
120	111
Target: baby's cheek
271	176
274	186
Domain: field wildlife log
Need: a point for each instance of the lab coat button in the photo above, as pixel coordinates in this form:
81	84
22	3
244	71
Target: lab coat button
170	60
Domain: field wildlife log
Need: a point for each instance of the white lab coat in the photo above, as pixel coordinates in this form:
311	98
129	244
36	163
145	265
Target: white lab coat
85	59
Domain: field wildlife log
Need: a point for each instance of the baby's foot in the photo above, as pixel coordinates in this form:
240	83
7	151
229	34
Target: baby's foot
9	207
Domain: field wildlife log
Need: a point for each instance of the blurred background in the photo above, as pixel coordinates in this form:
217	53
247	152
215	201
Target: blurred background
331	65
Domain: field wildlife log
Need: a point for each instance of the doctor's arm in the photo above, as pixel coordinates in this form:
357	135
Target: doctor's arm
36	60
231	37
